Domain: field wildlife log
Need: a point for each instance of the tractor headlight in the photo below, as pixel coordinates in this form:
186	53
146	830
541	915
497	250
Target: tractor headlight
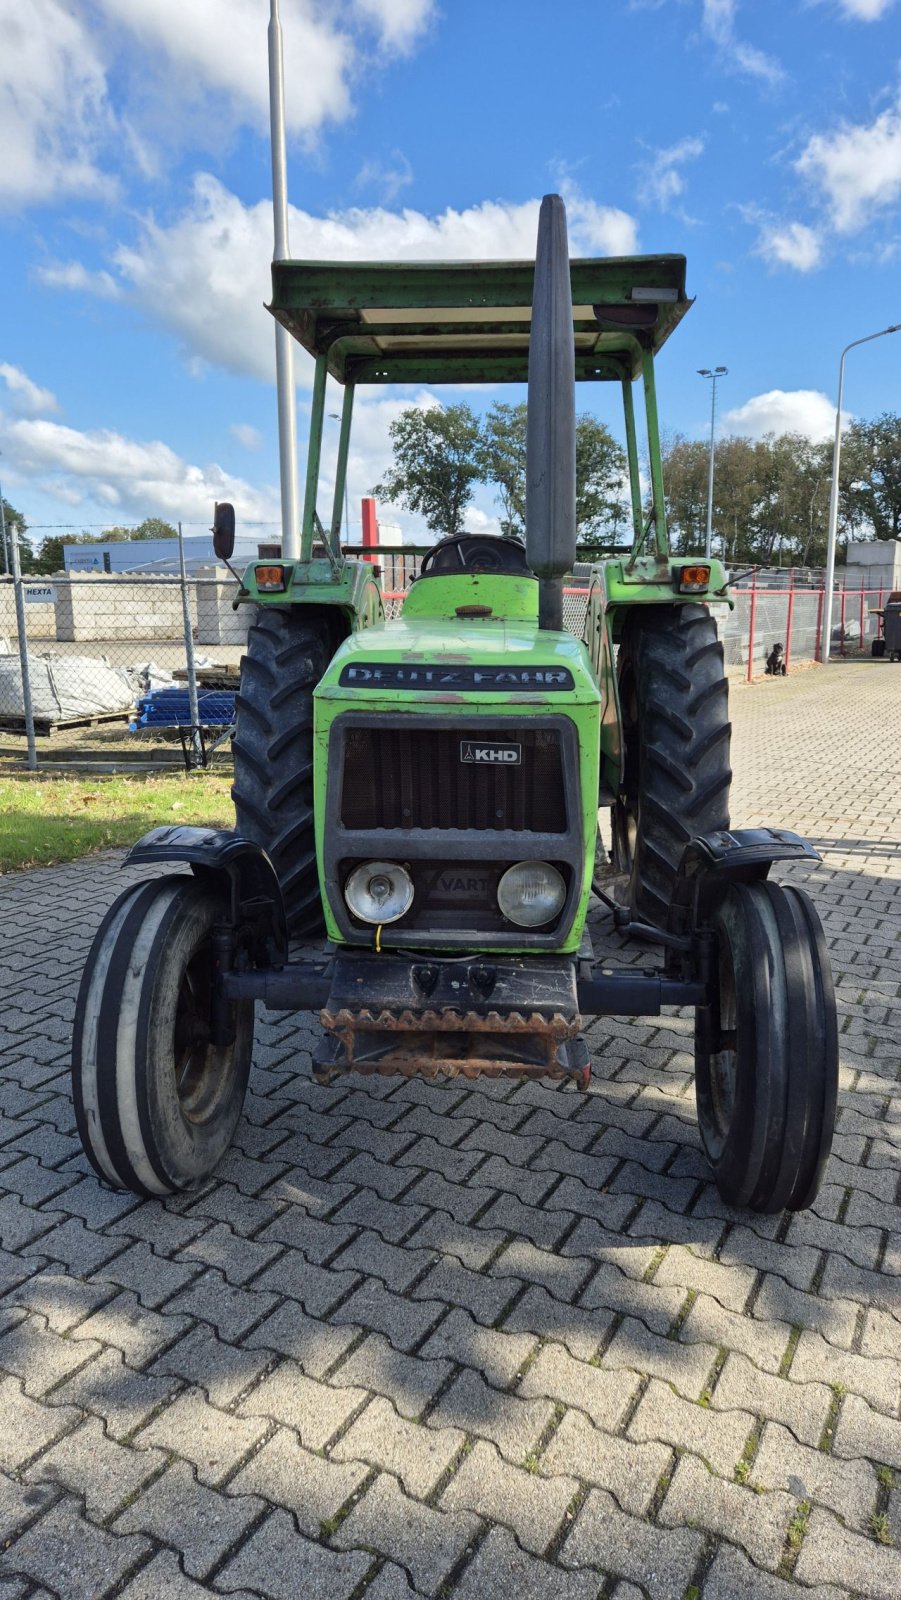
379	891
531	893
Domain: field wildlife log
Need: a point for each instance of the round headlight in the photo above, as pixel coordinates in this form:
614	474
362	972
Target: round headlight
379	891
531	893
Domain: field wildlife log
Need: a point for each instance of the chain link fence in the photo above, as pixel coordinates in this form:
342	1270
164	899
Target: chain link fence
120	668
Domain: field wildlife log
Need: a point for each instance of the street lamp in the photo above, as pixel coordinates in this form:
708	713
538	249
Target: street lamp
826	636
336	417
705	372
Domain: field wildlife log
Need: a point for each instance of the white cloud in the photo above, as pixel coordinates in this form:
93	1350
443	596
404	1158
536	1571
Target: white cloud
790	244
133	478
857	168
26	396
865	10
248	437
226	245
662	182
73	275
805	411
387	178
719	21
399	22
54	113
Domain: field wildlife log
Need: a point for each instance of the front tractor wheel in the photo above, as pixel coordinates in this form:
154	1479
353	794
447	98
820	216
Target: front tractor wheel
674	700
156	1098
287	653
766	1053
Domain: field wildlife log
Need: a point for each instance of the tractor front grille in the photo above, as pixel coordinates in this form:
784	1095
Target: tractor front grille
505	778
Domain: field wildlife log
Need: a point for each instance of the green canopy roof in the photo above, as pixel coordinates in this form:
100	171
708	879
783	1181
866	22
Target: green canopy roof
469	321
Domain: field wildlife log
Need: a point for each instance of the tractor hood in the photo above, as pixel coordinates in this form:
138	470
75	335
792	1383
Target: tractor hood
424	664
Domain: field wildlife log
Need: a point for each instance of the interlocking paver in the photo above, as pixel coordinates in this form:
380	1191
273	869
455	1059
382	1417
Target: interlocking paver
642	1317
72	1556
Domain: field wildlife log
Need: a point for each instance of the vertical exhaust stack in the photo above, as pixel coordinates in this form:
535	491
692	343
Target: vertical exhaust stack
551	433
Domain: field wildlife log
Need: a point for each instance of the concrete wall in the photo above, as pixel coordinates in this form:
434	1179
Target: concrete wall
93	607
875	564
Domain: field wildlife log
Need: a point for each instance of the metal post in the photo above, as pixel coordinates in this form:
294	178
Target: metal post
788	619
650	401
284	348
862	620
751	622
196	743
6	562
632	454
341	470
818	656
833	495
841	647
706	372
314	453
23	647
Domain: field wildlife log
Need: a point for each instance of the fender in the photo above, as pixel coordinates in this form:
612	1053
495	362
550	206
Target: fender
712	861
218	853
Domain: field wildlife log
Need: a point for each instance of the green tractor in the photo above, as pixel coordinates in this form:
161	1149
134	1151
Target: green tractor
425	792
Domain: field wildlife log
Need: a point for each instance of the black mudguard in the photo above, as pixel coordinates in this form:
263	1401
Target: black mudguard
242	866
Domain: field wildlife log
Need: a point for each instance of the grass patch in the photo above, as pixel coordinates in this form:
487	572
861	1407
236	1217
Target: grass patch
46	820
880	1528
886	1477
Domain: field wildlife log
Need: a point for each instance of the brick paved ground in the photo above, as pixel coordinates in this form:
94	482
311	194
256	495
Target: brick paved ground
481	1341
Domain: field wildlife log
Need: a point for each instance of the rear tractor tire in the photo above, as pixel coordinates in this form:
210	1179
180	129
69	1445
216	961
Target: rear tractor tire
156	1101
766	1055
287	653
674	701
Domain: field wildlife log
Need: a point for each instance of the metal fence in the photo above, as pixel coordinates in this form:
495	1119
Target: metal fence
123	668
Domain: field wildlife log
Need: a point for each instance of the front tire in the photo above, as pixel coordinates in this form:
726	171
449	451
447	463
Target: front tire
156	1102
674	701
766	1059
287	652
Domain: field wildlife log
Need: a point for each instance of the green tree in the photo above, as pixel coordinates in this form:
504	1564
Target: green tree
435	467
600	468
870	477
15	519
501	460
685	465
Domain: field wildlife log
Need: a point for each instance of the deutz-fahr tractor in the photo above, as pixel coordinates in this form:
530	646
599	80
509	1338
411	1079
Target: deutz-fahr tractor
417	799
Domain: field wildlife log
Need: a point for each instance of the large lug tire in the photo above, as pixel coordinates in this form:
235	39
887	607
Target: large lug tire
766	1060
156	1102
674	700
287	653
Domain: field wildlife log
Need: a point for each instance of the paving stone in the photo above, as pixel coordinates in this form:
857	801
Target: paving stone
733	1577
604	1396
312	1487
315	1239
20	1504
428	1543
629	1471
236	1258
578	1328
861	1431
88	1463
433	1191
563	1277
281	1564
865	1566
202	1525
71	1556
230	1310
514	1425
415	1454
317	1289
802	1407
529	1185
604	1245
500	1569
387	1181
685	1366
730	1285
27	1427
392	1219
718	1437
763	1342
757	1522
152	1277
314	1410
139	1333
163	1579
494	1352
777	1301
241	1212
41	1358
662	1561
572	1197
109	1389
157	1223
76	1247
315	1345
472	1246
409	1381
398	1268
533	1506
848	1487
656	1305
214	1440
878	1381
404	1322
222	1370
62	1300
450	1281
20	1224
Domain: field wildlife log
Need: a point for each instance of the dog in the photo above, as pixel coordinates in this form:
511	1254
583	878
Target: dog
775	663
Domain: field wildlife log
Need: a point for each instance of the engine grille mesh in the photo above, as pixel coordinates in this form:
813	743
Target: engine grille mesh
416	778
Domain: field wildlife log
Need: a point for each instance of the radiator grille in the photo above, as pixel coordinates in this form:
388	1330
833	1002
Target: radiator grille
415	777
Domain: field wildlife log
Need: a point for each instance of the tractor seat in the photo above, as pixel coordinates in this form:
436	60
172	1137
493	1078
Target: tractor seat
474	553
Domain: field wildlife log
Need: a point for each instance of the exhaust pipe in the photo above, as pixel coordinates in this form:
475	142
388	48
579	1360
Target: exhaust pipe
551	431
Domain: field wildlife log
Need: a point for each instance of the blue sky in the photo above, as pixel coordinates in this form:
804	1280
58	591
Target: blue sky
760	137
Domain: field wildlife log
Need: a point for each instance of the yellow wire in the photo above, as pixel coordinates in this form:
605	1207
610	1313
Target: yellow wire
378	940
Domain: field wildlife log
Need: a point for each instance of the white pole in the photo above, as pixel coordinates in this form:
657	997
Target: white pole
284	348
826	635
705	372
193	707
22	630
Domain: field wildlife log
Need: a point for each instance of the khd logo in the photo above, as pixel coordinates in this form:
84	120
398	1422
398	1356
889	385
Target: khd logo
491	755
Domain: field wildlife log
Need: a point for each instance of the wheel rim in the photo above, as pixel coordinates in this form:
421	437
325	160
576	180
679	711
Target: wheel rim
197	1062
723	1084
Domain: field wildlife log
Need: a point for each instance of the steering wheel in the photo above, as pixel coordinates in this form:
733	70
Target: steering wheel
475	552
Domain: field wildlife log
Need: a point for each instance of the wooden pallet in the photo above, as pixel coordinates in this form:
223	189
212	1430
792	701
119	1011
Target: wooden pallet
45	726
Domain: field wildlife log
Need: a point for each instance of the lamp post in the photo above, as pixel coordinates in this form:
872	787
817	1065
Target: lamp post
705	372
826	635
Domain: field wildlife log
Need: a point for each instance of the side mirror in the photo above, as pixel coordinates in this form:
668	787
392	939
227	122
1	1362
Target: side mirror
223	529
